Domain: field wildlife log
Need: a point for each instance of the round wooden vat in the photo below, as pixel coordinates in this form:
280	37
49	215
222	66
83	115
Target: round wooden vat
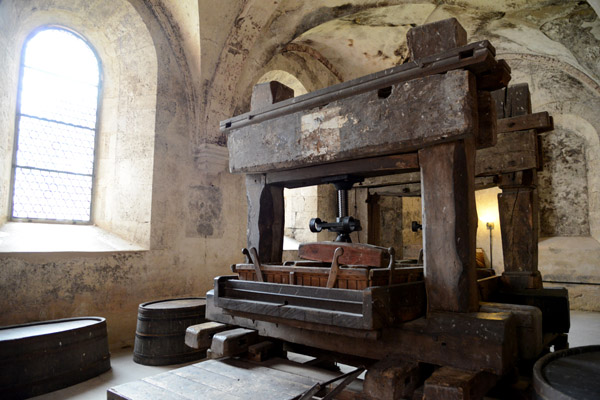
568	374
41	357
160	332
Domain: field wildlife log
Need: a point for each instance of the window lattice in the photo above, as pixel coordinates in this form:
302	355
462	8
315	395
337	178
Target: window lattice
56	122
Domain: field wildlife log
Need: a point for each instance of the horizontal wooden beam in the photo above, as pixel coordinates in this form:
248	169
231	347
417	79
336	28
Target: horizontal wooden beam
541	122
440	339
399	119
477	57
364	167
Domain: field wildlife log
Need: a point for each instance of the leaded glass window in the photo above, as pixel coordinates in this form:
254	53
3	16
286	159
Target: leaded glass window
56	129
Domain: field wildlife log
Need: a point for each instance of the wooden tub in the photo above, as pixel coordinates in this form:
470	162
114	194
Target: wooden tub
41	357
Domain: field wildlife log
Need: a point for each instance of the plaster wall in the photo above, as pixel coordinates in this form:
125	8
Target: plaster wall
191	208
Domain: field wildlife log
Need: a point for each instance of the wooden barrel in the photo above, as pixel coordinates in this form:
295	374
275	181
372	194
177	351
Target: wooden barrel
160	332
568	374
41	357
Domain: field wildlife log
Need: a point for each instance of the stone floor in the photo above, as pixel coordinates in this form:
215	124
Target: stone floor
585	330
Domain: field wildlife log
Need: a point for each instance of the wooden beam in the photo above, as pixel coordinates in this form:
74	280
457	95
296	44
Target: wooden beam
364	167
449	226
439	339
408	116
265	218
200	336
541	122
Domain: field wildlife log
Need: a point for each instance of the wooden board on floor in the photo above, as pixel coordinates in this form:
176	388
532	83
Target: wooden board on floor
228	379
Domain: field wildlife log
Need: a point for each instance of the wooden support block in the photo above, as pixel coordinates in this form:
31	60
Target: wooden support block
354	253
265	218
262	351
200	336
232	342
453	384
553	302
449	225
436	37
265	94
529	327
392	378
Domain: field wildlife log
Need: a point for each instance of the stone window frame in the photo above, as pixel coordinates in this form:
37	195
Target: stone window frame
30	36
126	123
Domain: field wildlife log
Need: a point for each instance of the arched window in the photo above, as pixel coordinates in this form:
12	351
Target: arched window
53	164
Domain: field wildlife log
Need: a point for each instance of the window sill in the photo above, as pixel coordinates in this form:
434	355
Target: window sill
23	237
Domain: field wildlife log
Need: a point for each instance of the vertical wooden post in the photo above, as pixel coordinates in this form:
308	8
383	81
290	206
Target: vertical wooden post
448	197
266	215
449	226
518	205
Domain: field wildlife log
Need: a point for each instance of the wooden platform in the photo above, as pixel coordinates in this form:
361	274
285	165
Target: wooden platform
231	379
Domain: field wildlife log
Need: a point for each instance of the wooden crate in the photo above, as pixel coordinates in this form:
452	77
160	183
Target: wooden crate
311	273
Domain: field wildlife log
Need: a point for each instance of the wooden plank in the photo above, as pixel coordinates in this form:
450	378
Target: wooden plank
140	390
265	218
354	253
449	225
440	339
364	167
200	336
412	115
180	384
435	37
541	122
249	380
454	384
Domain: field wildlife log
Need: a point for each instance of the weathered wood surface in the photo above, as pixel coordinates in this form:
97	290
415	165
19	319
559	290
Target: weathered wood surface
449	225
436	37
229	379
553	302
200	336
368	309
518	202
476	57
454	384
518	210
363	167
354	253
529	327
392	378
265	218
541	122
411	115
440	339
514	151
232	342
